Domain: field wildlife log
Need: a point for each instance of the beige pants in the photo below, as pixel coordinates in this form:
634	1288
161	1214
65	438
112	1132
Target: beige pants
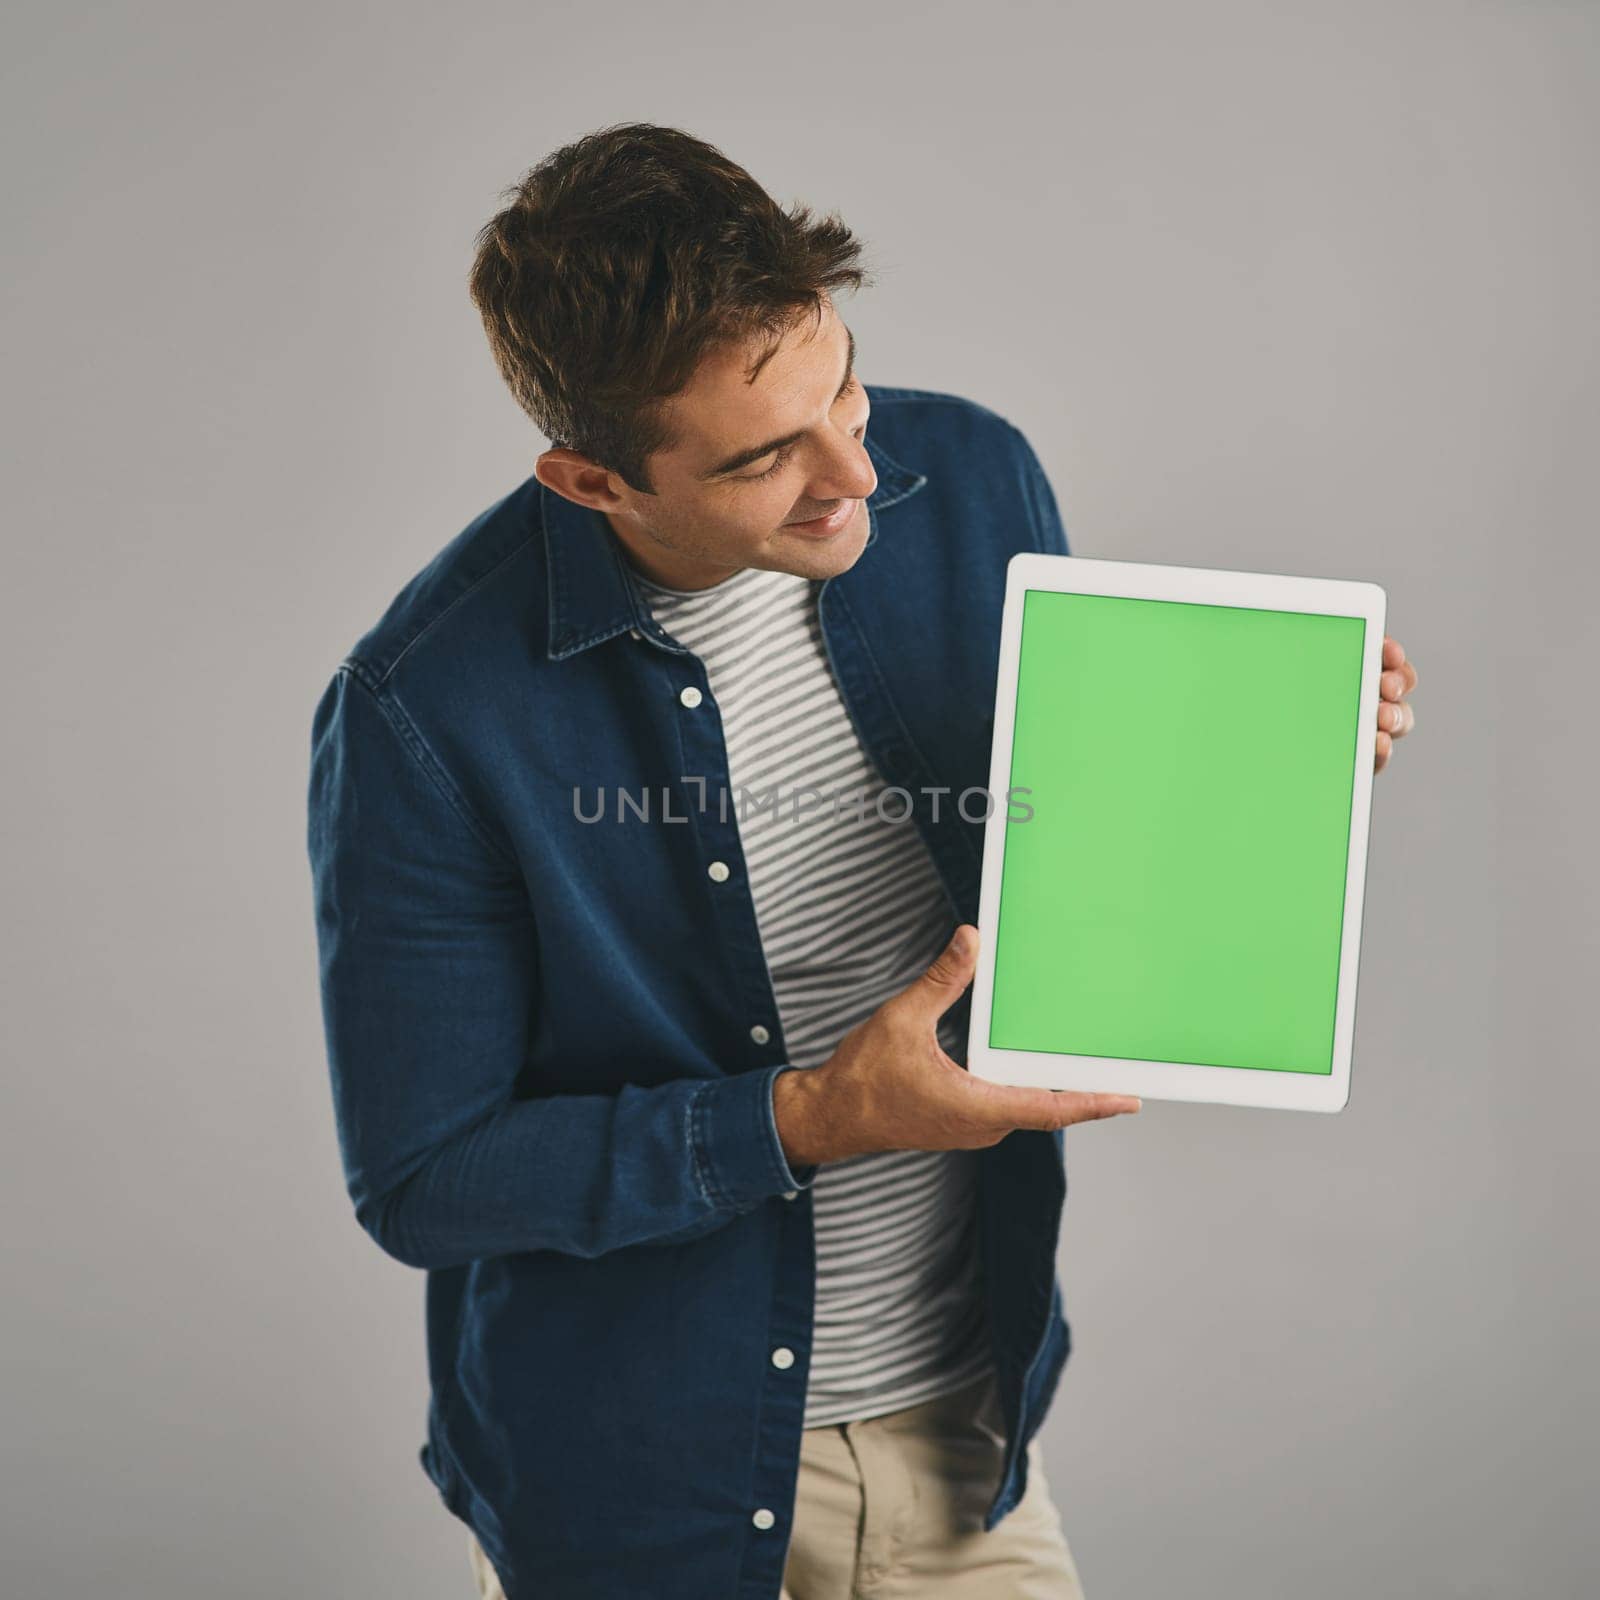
892	1509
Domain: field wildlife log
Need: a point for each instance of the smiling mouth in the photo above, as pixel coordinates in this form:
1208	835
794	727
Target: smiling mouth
829	522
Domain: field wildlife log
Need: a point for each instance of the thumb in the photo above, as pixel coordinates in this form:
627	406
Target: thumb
948	973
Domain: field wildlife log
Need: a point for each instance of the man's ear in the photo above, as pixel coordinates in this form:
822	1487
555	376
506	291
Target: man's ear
580	478
574	475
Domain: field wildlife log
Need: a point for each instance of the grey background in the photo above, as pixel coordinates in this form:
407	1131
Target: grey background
1303	288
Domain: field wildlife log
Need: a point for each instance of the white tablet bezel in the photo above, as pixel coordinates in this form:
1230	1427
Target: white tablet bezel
1165	1080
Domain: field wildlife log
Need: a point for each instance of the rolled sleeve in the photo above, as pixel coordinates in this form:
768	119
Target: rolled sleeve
734	1132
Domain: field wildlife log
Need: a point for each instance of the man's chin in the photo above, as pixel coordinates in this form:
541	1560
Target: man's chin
809	556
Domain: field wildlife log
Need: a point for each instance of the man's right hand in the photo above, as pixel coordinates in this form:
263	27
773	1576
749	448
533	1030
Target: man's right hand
889	1085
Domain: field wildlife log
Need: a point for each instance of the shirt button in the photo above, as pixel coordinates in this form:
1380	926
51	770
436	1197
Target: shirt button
783	1358
690	696
763	1518
759	1034
791	1194
633	633
718	871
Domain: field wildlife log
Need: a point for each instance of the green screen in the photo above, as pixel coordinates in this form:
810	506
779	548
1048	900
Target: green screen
1178	893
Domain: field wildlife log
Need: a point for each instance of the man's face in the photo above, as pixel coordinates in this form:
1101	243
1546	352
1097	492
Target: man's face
770	473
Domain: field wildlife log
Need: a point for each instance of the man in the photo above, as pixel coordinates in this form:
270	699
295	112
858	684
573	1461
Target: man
738	1283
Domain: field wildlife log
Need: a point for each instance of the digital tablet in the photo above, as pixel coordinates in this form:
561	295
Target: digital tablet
1176	844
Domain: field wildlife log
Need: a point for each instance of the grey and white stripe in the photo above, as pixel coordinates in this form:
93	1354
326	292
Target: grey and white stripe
849	911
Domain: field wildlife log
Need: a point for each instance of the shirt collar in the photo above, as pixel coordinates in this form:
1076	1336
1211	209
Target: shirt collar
592	597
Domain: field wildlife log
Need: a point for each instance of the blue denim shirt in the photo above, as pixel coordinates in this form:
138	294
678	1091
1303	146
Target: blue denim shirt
553	1041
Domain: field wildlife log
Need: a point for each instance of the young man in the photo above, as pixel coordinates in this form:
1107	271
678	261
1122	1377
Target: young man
646	861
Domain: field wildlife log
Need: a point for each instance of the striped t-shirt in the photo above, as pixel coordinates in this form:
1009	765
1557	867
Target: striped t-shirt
849	911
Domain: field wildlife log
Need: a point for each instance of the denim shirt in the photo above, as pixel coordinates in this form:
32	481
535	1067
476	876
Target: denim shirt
552	1040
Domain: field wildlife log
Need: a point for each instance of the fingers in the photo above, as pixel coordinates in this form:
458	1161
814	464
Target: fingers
1057	1108
948	974
1392	686
1096	1107
1396	718
1394	657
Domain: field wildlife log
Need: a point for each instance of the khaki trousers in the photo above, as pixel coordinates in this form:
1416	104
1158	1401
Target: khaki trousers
891	1508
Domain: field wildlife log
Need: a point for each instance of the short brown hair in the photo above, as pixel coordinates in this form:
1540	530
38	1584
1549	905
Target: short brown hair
621	259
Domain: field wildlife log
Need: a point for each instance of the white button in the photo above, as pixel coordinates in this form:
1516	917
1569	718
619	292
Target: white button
633	633
759	1034
690	696
783	1358
718	871
791	1194
763	1518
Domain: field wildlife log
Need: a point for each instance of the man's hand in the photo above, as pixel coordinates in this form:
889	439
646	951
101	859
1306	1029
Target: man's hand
1395	717
889	1086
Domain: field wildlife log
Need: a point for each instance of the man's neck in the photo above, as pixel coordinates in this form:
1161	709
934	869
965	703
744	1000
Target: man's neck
666	567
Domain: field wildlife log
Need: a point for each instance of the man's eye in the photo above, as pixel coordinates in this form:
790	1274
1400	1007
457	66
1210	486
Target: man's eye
782	457
777	462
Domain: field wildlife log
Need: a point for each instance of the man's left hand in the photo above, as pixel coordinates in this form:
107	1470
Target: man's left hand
1395	717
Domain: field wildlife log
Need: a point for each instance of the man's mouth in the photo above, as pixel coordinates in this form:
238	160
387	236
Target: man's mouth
821	527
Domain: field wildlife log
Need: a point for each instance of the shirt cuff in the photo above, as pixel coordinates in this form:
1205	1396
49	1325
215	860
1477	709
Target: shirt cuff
737	1153
798	1177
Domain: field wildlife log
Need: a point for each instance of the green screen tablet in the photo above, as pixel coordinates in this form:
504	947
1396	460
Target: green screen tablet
1176	851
